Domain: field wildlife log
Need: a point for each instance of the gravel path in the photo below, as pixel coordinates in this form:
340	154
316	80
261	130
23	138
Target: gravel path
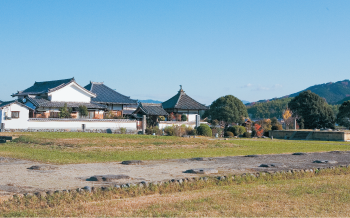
17	178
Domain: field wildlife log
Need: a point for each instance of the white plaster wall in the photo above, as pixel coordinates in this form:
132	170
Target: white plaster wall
19	123
163	125
191	117
70	93
77	125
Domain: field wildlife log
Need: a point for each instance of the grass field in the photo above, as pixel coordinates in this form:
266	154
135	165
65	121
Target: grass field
326	193
63	148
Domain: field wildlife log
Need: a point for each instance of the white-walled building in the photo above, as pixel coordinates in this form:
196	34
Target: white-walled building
14	115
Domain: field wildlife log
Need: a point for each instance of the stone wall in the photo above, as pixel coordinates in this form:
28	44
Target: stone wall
311	135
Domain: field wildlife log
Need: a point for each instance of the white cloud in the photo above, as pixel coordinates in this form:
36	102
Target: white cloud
247	85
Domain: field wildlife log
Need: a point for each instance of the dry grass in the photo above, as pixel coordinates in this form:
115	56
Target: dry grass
326	193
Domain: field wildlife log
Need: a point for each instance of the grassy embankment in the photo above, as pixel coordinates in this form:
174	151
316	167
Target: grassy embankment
63	148
324	193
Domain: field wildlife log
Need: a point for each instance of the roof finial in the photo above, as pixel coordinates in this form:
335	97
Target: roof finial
181	88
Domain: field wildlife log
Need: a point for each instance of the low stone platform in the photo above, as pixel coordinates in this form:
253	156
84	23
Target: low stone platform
17	178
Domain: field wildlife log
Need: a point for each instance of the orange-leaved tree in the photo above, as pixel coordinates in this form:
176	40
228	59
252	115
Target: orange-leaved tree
259	131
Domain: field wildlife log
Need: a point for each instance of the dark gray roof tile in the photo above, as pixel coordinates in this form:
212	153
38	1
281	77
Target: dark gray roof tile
182	101
151	109
104	94
39	102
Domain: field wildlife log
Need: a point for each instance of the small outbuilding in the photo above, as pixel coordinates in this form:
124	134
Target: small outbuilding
181	103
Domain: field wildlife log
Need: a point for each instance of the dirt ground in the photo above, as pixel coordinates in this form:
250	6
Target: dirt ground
17	178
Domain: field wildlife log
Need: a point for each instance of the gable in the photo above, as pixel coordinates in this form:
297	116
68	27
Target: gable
71	93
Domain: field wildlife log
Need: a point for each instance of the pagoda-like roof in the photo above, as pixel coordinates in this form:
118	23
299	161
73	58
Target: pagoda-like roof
106	95
182	101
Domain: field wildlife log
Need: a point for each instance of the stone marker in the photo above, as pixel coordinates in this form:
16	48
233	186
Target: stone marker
202	171
42	167
132	162
107	178
299	153
272	165
325	161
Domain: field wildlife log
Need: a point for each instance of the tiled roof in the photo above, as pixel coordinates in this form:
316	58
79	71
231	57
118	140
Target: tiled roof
151	109
182	101
48	86
7	103
39	102
43	87
104	94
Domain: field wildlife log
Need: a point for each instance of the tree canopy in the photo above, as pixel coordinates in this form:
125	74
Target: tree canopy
343	117
312	111
228	109
268	109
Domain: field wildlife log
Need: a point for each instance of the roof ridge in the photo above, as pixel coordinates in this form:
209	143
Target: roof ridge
70	79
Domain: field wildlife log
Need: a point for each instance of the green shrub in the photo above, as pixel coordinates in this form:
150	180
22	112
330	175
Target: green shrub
122	130
169	130
229	134
247	135
237	130
241	130
161	118
155	130
183	117
190	131
204	130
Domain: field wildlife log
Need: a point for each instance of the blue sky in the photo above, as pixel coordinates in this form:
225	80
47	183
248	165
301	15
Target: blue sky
145	49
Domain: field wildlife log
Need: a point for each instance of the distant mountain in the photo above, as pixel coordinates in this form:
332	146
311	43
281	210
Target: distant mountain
245	102
150	101
332	92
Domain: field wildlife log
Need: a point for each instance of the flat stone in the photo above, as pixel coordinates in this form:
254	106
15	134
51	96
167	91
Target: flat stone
252	155
201	158
202	171
42	167
299	153
87	188
272	165
325	161
107	178
132	162
337	152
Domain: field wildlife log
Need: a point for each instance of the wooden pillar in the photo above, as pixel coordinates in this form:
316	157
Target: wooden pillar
144	124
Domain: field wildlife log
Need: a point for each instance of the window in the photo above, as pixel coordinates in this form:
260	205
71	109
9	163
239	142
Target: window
54	114
14	114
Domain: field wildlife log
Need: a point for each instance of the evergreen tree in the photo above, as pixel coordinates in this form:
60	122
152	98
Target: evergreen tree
65	112
227	109
83	111
343	117
312	111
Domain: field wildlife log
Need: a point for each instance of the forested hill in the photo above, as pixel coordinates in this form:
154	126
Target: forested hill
268	109
332	92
